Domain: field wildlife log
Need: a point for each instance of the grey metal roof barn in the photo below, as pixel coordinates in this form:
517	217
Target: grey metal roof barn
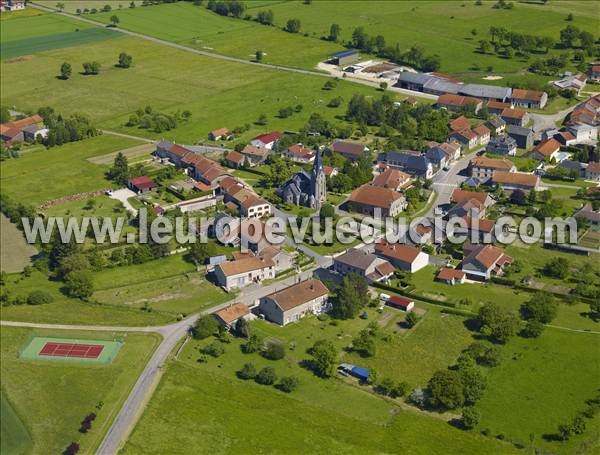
486	91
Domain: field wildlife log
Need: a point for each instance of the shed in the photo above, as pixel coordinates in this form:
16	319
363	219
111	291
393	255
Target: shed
345	57
400	303
141	184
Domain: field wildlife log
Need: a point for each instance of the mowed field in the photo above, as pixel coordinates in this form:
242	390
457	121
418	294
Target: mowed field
49	174
204	406
15	438
16	252
52	398
217	93
442	28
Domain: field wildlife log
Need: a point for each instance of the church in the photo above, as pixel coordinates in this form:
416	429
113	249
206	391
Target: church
307	189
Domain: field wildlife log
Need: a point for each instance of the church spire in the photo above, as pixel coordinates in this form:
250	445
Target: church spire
318	164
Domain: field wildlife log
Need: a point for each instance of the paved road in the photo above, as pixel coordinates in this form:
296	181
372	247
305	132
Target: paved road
542	122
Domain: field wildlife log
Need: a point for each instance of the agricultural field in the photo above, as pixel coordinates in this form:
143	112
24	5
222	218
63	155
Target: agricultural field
27	34
320	416
49	174
16	252
39	402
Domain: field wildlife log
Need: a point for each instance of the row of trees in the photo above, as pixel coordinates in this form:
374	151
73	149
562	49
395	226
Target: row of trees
92	68
62	130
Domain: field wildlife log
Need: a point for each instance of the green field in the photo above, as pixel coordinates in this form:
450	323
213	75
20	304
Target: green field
60	171
226	94
16	252
52	399
541	384
203	405
15	438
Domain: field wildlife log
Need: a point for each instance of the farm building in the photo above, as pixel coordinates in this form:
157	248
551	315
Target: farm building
141	184
229	315
400	303
345	57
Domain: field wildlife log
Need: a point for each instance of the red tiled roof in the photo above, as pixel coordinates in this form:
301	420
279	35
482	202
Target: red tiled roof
447	274
235	157
143	182
521	94
391	178
460	123
497	105
449	99
299	151
269	137
374	196
232	312
548	147
515	178
485	162
401	252
459	196
399	301
349	148
513	113
481	130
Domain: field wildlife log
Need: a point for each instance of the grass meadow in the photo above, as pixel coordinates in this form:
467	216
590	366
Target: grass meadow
48	174
16	252
204	405
52	398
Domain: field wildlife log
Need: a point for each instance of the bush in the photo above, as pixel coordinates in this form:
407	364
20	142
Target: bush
248	371
213	349
532	329
205	327
39	298
253	344
266	376
288	384
274	350
470	417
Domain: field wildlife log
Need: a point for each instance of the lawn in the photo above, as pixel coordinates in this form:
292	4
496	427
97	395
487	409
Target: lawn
16	252
541	384
60	171
52	398
203	405
228	94
65	310
169	285
15	438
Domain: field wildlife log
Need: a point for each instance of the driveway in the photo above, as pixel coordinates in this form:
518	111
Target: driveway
123	195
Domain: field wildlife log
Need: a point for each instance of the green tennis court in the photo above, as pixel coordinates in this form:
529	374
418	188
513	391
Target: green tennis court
71	350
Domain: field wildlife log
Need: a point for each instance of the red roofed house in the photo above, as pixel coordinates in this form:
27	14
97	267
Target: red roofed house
483	134
592	171
141	184
299	154
594	72
465	137
330	171
483	167
484	261
546	150
255	155
405	257
373	268
496	107
229	315
516	180
529	98
456	103
11	132
460	123
516	117
267	141
366	199
392	178
350	150
400	303
221	133
173	152
235	159
451	276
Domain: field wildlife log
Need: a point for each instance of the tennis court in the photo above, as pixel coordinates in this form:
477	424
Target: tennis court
74	350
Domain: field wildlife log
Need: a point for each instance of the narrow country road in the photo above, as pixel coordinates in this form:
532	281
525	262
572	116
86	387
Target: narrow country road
129	136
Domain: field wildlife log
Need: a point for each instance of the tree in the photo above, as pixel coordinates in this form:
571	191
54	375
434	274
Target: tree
383	86
60	6
470	417
262	120
518	197
568	35
411	319
570	17
265	17
274	350
201	251
533	329
595	309
248	371
288	384
75	262
351	297
473	383
259	56
125	60
446	389
91	68
79	284
292	26
254	344
39	298
65	71
214	349
114	19
364	343
266	376
496	322
485	46
205	326
326	211
119	172
242	328
542	307
334	32
324	354
72	449
557	268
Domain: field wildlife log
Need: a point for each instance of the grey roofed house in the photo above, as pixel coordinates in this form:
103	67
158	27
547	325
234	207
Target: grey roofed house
413	164
523	136
588	213
496	122
571	165
436	155
473	182
415	78
502	145
435	85
486	91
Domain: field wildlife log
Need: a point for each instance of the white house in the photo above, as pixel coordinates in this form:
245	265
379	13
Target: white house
240	273
405	257
292	303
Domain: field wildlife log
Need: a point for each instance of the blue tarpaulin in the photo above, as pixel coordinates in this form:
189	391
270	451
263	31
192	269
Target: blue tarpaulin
360	373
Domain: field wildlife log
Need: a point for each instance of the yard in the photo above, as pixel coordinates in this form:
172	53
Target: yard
52	398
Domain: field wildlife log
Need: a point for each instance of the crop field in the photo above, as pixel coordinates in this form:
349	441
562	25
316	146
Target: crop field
16	252
541	384
60	171
204	405
52	399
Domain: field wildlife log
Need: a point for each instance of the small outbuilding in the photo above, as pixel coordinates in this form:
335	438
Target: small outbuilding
141	184
345	57
400	303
